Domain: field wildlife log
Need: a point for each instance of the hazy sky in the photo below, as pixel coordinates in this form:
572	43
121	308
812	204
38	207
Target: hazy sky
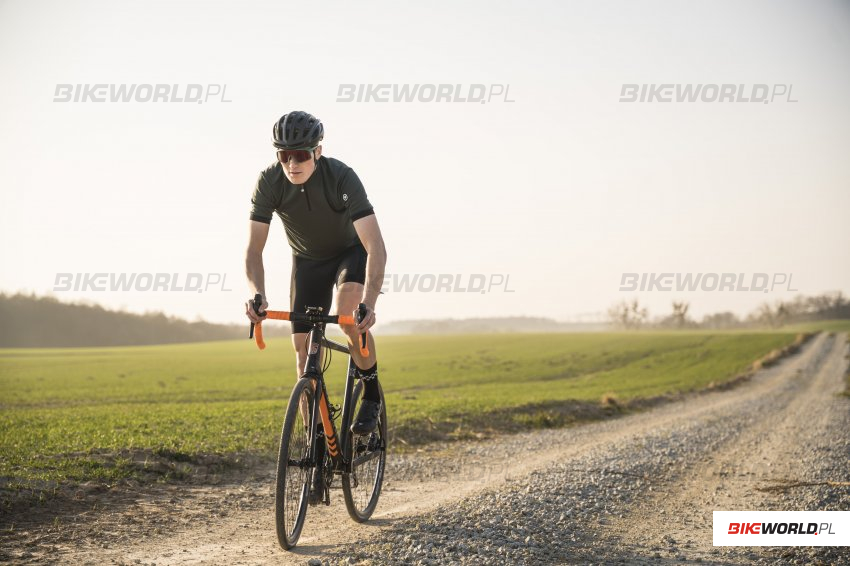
562	190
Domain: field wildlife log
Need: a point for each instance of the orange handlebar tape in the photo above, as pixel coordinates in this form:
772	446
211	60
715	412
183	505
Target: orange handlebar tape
258	335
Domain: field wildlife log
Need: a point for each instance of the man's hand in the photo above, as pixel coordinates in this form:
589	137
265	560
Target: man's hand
249	310
368	320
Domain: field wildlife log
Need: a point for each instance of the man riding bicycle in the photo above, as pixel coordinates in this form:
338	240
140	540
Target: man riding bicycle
335	241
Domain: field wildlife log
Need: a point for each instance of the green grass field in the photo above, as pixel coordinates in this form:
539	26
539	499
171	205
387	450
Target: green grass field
88	413
825	325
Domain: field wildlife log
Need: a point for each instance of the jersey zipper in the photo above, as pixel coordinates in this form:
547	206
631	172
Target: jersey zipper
306	196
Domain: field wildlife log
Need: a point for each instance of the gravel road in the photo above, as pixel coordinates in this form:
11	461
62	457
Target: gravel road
643	489
634	490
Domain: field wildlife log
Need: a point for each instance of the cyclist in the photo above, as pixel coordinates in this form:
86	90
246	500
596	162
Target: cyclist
335	240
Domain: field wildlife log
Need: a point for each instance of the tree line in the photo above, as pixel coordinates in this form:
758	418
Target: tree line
31	321
631	314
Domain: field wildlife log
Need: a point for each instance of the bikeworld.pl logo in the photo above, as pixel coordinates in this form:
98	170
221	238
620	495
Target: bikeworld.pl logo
446	283
720	282
140	282
386	92
758	93
190	93
781	528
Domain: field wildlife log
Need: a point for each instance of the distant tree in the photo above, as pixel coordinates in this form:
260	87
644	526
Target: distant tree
721	320
680	314
31	321
628	314
678	318
767	315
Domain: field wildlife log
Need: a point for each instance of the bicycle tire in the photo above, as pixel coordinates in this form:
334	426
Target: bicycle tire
362	486
292	482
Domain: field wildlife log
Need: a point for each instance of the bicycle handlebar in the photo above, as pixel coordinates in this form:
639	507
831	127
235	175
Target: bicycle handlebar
312	318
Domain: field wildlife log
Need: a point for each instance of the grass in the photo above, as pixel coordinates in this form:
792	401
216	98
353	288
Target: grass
154	412
820	325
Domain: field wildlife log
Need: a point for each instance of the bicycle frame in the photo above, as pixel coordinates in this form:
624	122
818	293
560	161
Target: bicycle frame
321	409
342	460
343	453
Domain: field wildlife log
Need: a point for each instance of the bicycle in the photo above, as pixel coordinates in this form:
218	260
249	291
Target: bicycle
309	433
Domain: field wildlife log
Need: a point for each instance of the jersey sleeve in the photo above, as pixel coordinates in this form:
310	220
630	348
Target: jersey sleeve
354	196
263	203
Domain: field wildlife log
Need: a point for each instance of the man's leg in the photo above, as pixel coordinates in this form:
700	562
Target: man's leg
311	286
299	343
348	296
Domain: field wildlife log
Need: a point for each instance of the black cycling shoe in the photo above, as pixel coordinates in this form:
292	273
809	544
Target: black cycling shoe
367	417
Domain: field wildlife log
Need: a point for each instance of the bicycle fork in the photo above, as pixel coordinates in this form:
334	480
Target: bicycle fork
324	438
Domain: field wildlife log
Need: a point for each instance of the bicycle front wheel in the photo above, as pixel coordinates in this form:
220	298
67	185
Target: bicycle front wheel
362	486
293	466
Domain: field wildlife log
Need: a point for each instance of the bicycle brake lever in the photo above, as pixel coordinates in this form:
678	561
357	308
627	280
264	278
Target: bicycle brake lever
255	304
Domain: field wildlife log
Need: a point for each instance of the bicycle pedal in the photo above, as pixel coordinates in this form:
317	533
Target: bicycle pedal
374	442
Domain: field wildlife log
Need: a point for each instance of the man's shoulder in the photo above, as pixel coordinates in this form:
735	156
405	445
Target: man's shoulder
335	165
273	174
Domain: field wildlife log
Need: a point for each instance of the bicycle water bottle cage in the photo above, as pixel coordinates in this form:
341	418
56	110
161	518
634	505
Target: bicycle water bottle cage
334	411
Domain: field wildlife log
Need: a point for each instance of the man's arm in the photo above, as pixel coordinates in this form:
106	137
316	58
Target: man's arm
254	265
370	235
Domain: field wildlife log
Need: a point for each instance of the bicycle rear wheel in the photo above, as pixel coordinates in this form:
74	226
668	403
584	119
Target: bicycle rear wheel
362	486
293	468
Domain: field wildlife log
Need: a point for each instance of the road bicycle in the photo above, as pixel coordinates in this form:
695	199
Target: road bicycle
311	452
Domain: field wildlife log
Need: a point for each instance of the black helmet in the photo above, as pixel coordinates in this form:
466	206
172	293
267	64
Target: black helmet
296	130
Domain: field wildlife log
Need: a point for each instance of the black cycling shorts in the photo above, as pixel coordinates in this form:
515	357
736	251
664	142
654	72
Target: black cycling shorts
313	280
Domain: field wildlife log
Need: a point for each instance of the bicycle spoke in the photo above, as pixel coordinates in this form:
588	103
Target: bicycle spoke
362	485
293	472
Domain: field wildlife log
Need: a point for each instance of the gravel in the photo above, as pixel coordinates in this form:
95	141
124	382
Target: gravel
634	490
647	498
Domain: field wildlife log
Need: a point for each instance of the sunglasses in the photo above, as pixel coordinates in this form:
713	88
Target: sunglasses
298	154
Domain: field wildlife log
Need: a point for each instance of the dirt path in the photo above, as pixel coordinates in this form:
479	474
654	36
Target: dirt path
781	426
605	491
641	490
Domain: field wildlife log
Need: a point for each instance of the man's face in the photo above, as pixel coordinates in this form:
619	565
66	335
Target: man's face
299	171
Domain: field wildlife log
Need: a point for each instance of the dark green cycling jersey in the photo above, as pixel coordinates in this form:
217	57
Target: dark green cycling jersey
319	215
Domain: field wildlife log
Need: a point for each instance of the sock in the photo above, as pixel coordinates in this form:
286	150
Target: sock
370	382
